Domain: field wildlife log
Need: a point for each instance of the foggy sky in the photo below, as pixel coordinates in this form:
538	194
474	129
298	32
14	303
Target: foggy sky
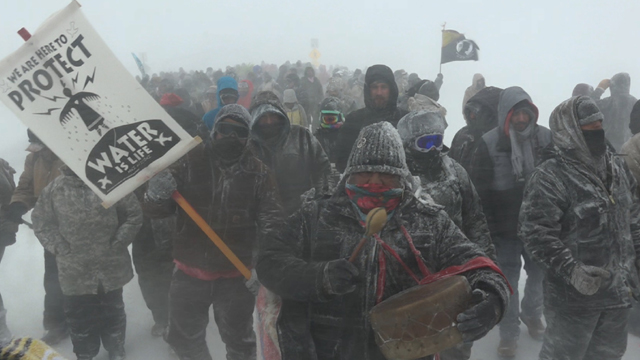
545	46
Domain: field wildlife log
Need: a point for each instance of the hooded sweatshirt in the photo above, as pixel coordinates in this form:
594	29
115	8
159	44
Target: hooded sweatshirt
569	215
472	90
485	106
492	169
358	119
294	156
225	82
616	109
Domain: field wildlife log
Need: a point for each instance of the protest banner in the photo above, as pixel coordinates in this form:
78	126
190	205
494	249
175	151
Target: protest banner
67	86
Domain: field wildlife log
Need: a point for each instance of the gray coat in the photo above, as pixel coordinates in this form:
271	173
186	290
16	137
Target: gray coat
570	215
616	109
89	241
449	185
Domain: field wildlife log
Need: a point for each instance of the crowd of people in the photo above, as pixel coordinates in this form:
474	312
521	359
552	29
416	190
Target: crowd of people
292	162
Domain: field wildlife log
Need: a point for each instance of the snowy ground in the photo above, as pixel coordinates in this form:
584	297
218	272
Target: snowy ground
21	287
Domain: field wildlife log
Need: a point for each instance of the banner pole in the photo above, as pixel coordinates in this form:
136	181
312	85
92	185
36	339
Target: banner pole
202	224
443	27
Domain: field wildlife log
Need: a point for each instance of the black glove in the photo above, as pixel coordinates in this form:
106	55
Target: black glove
340	277
14	212
8	230
478	320
161	186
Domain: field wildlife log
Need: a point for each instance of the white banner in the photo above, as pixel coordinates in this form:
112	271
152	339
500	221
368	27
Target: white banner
67	86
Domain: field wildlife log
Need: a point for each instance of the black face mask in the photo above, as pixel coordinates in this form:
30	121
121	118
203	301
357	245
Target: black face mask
426	161
595	142
228	148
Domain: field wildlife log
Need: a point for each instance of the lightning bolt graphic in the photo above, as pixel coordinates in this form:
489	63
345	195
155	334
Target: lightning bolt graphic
75	80
90	79
48	112
54	99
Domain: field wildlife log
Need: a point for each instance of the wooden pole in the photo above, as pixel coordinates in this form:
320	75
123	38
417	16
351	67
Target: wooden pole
202	224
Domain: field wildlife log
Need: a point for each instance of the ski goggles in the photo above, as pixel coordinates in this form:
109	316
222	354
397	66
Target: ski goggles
427	142
330	118
227	129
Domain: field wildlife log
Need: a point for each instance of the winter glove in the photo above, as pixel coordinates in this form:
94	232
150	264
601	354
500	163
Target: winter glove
604	84
8	230
477	321
161	186
587	279
15	211
253	284
439	76
62	248
340	277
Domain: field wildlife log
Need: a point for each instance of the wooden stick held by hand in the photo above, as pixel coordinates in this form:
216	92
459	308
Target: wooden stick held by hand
376	220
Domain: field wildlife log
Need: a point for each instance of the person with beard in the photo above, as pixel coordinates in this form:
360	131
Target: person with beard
616	108
227	94
231	188
380	97
326	300
448	184
291	152
580	219
481	114
504	159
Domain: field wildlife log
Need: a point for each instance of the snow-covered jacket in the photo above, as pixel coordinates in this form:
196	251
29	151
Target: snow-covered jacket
631	152
449	185
570	215
616	109
292	260
297	159
89	242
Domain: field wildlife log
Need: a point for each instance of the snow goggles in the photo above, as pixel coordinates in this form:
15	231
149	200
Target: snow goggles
227	128
427	142
330	118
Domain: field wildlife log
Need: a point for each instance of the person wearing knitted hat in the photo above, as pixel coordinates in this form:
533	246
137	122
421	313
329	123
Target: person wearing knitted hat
236	193
448	184
504	159
580	219
325	298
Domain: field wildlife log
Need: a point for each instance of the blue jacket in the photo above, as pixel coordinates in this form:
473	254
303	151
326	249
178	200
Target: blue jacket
225	82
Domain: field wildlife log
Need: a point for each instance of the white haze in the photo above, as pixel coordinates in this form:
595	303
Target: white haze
546	47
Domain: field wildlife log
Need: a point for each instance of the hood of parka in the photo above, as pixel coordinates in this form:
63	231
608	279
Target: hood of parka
566	134
380	73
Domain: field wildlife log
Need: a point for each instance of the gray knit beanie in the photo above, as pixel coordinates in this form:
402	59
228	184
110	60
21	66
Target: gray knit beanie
378	149
587	111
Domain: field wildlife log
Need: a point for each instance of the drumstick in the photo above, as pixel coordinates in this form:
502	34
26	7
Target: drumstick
376	220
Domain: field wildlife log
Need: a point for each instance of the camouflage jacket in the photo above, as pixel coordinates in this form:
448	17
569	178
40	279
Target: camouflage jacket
292	259
89	241
570	215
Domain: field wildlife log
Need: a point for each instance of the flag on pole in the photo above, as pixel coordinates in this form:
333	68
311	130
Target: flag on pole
455	47
67	86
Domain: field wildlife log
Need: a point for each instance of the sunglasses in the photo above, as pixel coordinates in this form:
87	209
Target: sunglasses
427	142
227	129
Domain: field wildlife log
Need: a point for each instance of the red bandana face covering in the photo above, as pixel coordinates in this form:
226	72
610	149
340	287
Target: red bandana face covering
370	196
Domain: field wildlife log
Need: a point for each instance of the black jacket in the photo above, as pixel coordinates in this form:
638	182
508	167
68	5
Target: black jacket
292	260
358	119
